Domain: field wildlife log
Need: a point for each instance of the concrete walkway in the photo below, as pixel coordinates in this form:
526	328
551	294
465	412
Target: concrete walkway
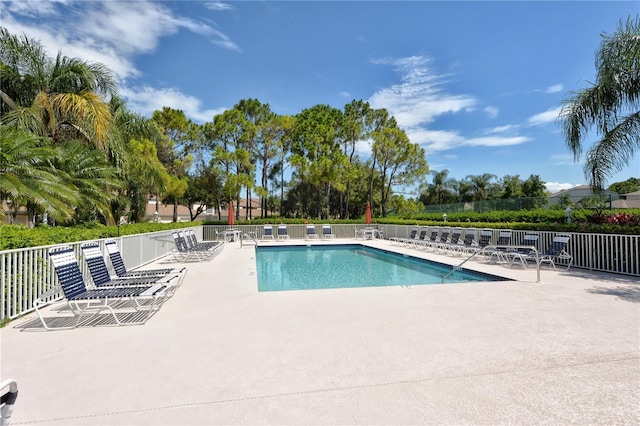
562	351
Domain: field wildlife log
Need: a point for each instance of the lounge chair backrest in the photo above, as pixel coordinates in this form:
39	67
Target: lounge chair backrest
268	230
192	237
528	240
455	235
326	229
444	236
186	241
558	245
68	271
434	234
311	230
423	234
485	237
95	261
414	232
469	236
180	243
282	229
116	258
504	238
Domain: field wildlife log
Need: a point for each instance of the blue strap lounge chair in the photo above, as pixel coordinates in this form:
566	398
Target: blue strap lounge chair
186	251
497	253
82	301
453	243
524	250
326	232
443	239
101	277
556	251
121	270
419	238
311	232
432	240
201	245
469	243
401	240
282	232
267	232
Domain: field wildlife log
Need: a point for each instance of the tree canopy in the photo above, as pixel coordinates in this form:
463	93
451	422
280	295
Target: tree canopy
611	104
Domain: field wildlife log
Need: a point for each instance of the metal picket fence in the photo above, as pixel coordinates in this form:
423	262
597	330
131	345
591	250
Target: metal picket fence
26	273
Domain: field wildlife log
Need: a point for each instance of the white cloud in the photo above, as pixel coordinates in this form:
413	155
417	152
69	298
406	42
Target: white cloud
33	8
548	116
419	98
502	129
554	89
145	100
346	95
113	33
492	112
554	187
218	5
435	140
497	141
562	159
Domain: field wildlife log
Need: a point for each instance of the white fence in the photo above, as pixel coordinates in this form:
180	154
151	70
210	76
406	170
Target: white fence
26	273
615	253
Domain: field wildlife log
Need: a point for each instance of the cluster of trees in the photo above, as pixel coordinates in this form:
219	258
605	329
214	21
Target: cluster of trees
446	190
71	150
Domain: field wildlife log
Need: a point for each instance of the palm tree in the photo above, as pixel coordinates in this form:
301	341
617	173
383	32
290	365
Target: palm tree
442	185
59	98
610	104
27	176
480	185
88	170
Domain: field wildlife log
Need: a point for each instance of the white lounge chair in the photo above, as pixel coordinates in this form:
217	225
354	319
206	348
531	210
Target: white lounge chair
121	270
267	232
101	277
326	232
83	301
282	232
311	232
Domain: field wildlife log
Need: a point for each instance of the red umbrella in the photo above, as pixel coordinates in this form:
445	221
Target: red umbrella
232	218
367	216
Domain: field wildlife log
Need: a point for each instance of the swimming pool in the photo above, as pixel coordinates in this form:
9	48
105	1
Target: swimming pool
283	268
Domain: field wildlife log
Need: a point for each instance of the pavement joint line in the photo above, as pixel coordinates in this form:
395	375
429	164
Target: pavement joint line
335	389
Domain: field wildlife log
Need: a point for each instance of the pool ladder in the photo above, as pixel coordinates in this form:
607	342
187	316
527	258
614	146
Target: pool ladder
474	254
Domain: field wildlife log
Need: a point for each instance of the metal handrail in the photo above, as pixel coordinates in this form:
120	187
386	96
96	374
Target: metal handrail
532	248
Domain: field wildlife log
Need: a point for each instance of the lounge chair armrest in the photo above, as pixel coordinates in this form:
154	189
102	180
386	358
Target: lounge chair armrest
53	292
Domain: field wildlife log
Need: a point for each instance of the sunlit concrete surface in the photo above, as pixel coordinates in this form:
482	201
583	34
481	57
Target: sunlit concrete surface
565	350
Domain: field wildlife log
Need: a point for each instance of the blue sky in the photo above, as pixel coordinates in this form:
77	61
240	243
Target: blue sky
477	84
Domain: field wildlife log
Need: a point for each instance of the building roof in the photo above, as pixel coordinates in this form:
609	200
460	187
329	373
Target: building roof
635	195
570	191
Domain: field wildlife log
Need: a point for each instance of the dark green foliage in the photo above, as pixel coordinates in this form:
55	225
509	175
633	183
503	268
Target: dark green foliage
14	237
626	187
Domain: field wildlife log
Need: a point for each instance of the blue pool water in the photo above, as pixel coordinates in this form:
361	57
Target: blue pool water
341	266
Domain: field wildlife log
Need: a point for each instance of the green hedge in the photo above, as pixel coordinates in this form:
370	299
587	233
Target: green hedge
14	237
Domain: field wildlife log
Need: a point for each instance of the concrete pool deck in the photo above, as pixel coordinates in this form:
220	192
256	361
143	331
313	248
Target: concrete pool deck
565	350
